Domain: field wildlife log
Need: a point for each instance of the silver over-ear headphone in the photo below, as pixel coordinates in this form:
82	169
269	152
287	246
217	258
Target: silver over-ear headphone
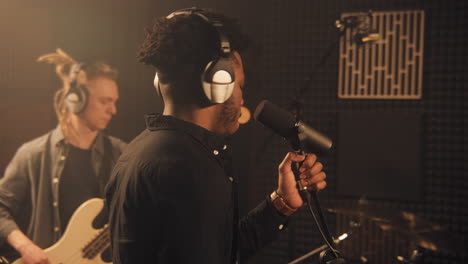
156	84
77	97
218	78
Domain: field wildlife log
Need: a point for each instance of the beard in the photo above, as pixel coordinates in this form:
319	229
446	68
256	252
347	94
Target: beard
229	117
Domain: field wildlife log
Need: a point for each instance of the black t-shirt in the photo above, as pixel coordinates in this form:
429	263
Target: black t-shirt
78	183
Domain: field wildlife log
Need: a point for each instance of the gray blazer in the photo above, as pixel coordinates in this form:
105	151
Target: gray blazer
29	190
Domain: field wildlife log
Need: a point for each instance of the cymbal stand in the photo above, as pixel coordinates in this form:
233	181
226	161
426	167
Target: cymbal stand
319	249
342	237
415	258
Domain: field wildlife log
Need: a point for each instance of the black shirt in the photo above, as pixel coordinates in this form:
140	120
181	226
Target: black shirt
171	199
78	183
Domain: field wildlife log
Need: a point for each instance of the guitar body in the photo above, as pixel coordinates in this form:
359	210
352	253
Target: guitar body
79	233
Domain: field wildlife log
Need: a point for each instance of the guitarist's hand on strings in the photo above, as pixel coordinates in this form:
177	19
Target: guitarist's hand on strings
311	175
30	252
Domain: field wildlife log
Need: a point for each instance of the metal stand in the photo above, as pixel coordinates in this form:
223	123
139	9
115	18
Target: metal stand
319	249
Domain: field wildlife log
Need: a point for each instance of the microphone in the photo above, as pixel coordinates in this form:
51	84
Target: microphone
300	135
362	24
366	37
303	139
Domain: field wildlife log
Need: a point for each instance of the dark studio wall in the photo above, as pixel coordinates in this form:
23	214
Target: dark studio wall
295	36
289	39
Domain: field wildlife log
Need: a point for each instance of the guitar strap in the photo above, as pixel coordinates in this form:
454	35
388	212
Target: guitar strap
105	170
103	177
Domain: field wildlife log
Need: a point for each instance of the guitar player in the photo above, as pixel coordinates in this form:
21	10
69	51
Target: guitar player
50	176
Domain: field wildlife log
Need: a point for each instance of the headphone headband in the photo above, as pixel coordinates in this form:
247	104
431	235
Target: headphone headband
75	69
225	45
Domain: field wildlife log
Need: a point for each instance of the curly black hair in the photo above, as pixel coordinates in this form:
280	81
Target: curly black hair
180	47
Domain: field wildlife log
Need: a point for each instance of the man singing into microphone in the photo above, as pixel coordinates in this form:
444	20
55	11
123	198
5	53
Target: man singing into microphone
172	196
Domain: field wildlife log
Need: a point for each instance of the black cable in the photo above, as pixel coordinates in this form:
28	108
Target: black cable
319	211
325	234
320	220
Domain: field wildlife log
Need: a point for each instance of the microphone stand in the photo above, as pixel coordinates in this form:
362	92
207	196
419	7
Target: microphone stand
328	254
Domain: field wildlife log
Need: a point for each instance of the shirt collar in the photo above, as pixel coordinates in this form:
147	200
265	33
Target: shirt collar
58	140
57	137
216	143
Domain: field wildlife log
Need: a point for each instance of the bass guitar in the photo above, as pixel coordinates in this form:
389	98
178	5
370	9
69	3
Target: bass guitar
81	243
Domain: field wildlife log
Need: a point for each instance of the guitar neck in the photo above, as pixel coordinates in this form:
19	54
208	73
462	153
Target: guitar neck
98	244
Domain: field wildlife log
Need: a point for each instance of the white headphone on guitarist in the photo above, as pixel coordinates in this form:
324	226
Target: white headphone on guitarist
218	77
77	97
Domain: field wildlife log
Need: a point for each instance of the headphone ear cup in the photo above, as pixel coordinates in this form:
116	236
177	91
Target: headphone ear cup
218	80
77	99
156	85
